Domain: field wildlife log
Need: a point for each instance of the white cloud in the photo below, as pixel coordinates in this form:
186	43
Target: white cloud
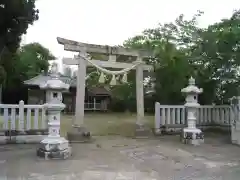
112	22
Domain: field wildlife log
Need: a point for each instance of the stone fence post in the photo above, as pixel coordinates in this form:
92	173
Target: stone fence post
157	118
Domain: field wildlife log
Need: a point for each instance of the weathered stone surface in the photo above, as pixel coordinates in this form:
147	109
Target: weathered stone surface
78	135
54	154
27	132
22	139
191	134
194	138
71	45
122	158
143	132
54	148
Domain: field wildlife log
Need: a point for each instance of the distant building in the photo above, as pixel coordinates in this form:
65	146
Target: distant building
96	98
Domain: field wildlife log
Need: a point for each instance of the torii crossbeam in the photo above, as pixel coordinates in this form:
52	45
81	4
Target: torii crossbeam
112	52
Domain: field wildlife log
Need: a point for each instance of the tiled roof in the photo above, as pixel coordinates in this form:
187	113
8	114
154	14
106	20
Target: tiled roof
99	91
41	78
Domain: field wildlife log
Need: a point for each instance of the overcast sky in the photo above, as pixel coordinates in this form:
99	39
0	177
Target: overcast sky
110	22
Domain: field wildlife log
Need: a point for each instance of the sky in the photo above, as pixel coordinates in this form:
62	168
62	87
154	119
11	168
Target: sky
110	22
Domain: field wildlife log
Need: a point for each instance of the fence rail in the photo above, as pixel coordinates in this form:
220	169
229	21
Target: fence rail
170	115
220	115
22	117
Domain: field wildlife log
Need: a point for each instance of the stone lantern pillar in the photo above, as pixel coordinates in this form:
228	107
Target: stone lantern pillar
235	120
54	146
191	134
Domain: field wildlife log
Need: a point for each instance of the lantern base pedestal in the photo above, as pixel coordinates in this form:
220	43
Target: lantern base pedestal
78	135
235	133
192	136
54	148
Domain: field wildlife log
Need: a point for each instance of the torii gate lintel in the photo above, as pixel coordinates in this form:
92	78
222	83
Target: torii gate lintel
84	48
75	46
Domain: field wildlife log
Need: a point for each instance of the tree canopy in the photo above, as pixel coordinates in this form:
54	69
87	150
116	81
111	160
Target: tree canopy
16	16
33	59
183	49
29	61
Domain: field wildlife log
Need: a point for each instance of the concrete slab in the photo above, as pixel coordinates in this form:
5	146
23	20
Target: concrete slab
118	158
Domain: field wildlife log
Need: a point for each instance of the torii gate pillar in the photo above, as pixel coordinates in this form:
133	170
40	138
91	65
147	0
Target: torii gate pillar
139	94
70	45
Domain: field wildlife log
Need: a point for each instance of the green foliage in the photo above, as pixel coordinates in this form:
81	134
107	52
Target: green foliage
29	61
218	55
169	42
92	78
16	16
33	59
181	49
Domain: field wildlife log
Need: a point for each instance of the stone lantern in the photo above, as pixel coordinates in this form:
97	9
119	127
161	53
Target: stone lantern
54	146
235	123
191	134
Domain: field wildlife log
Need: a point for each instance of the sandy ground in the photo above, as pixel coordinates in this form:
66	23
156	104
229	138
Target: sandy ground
118	158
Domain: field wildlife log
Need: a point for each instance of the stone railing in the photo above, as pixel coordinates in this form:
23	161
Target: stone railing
20	122
214	115
174	117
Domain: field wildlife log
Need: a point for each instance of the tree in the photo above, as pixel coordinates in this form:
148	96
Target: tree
215	58
171	44
182	49
30	60
16	16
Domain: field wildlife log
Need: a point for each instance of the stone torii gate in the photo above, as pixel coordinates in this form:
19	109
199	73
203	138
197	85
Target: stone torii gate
112	52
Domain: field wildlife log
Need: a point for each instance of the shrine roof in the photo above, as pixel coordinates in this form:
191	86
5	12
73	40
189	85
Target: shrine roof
99	91
44	77
41	78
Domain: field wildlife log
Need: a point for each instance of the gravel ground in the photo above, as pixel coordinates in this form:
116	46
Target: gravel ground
118	158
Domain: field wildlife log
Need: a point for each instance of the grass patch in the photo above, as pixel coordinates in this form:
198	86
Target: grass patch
99	124
103	124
